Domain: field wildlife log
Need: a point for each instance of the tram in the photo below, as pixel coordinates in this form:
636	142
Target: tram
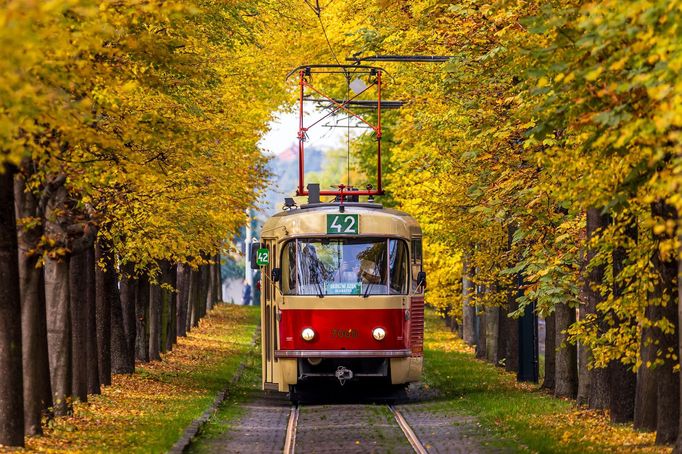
342	285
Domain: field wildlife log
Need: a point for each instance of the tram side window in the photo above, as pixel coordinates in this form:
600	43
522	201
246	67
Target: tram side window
398	267
289	269
416	263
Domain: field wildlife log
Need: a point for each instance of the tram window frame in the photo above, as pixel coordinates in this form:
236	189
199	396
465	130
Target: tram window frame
417	264
286	276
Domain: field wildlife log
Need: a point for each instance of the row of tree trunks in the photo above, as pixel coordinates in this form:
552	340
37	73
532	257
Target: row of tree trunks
651	397
64	326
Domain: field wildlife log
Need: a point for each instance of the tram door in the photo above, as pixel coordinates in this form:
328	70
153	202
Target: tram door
269	319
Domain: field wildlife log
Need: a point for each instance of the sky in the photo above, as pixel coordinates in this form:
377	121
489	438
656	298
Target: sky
284	132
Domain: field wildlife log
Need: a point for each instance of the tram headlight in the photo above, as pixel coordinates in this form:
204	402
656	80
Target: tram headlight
308	334
378	333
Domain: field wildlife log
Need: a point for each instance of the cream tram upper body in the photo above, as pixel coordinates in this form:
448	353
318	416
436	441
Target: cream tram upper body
341	305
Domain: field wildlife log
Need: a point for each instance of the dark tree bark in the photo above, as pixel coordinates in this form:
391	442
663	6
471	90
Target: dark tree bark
172	303
57	301
78	294
599	378
566	361
36	369
154	322
194	297
121	358
678	443
646	391
181	297
220	280
167	305
622	380
492	331
103	311
583	361
668	380
468	309
91	323
11	387
502	336
481	342
210	294
128	292
512	336
142	317
550	353
204	285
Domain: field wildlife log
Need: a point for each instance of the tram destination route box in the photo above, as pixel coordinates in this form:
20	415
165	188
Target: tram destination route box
348	224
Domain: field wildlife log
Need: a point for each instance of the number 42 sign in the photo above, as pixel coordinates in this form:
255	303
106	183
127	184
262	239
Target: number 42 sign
343	224
262	257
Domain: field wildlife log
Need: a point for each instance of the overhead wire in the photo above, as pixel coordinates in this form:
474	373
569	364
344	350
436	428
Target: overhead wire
318	12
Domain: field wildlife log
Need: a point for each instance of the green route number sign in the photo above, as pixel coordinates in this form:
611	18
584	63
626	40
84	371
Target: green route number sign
348	224
262	257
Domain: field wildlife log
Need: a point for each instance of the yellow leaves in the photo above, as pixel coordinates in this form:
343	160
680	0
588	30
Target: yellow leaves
594	74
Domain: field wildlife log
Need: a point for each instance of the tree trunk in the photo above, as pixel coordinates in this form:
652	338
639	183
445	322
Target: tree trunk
599	378
205	285
11	387
678	444
142	317
128	292
622	380
492	330
646	392
91	322
502	336
78	294
468	309
220	280
120	357
481	342
168	306
668	381
210	294
181	299
154	322
566	365
512	335
103	312
550	353
194	296
36	368
57	302
583	361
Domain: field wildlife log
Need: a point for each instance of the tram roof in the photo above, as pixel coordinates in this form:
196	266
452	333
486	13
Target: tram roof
310	219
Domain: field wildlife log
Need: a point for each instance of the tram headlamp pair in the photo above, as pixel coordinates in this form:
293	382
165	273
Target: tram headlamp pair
308	334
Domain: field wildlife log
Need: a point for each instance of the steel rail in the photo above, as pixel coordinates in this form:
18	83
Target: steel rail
407	430
290	438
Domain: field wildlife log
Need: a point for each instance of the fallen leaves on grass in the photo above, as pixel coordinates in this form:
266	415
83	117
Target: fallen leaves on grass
147	411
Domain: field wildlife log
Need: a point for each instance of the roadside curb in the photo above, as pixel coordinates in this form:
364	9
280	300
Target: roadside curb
195	426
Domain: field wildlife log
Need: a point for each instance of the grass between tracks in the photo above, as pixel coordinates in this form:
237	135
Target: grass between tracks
530	418
149	410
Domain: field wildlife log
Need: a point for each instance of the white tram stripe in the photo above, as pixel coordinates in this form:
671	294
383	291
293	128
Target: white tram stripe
409	433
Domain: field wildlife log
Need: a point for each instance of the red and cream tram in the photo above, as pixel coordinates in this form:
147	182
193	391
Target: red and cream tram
342	282
342	295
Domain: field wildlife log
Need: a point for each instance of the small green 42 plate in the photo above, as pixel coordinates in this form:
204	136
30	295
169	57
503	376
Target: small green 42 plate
348	224
262	257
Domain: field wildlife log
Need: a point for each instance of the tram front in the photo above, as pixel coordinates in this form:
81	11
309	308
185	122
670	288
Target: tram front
343	296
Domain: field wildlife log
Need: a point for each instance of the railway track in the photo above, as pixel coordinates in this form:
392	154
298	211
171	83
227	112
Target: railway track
410	436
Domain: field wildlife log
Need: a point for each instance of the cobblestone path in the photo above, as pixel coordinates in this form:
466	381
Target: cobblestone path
351	428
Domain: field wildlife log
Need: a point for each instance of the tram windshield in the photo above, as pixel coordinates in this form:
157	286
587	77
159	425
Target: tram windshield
345	266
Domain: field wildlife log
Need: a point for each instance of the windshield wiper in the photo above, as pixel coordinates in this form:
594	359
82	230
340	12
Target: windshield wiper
318	265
